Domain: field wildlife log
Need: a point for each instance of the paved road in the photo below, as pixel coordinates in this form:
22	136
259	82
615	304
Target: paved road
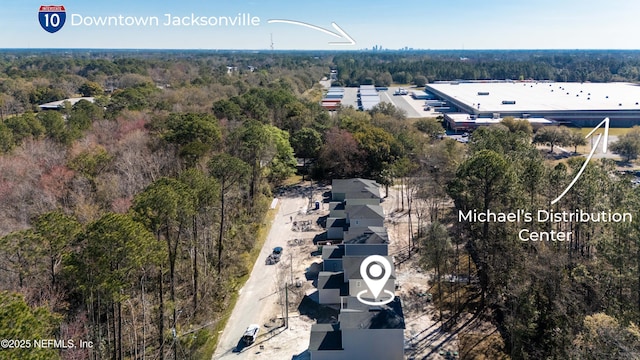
325	83
255	295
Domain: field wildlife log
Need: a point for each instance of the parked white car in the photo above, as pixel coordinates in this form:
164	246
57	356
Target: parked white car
251	334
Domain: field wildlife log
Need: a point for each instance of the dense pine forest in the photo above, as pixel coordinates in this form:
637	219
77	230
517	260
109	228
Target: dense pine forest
130	221
383	68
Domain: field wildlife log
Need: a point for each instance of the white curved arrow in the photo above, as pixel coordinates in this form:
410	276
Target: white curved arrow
341	33
593	150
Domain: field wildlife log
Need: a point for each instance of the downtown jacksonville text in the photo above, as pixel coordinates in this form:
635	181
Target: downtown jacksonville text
167	20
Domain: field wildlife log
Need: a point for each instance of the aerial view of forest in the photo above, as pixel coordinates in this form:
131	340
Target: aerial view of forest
135	213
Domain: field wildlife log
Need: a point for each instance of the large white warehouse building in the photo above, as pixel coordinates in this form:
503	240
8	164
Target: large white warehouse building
479	103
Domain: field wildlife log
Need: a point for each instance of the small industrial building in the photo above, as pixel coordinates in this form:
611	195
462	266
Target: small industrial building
57	105
470	104
333	98
368	97
420	95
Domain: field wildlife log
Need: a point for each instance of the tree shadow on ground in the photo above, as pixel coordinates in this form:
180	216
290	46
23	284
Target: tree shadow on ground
312	271
628	164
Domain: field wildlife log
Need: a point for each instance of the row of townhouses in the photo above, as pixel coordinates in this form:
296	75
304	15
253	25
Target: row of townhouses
369	326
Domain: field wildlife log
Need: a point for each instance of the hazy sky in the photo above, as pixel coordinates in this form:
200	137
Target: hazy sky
419	24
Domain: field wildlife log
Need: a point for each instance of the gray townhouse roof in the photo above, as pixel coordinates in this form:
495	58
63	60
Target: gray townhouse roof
333	280
332	252
351	266
336	205
356	188
336	222
361	316
325	337
358	231
365	212
369	237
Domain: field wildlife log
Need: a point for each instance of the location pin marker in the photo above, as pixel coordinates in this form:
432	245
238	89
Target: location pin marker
375	270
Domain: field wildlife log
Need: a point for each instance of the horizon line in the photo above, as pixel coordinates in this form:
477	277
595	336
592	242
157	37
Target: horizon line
326	50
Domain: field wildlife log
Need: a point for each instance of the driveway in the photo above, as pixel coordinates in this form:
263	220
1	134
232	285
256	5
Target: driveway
259	292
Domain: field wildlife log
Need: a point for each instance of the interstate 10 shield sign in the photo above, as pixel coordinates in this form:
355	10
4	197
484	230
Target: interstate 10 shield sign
52	17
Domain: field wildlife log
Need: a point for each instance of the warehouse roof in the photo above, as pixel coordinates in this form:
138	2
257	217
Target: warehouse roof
55	105
540	96
461	118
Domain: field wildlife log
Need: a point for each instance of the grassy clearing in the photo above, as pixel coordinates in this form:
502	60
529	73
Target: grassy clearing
210	347
314	94
585	149
612	131
293	180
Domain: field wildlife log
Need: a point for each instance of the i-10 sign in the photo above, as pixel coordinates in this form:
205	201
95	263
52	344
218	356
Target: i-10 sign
52	17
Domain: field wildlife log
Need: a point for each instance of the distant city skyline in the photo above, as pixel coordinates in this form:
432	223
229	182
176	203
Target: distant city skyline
243	25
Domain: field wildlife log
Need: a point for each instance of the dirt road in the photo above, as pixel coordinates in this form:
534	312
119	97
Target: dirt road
259	293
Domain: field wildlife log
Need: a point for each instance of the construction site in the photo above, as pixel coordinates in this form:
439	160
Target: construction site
291	307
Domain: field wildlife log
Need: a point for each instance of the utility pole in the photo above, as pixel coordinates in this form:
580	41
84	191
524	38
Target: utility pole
291	264
310	194
286	306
